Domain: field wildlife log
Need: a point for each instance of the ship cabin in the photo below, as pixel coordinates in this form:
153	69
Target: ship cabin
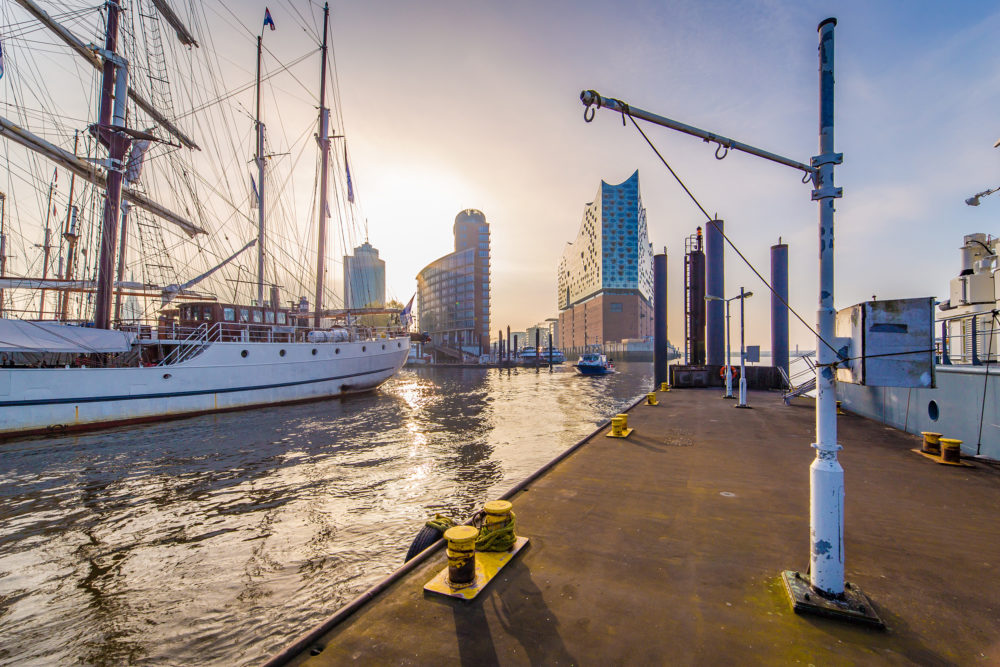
235	322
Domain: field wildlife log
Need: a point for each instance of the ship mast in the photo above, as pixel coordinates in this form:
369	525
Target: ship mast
109	130
3	243
260	185
324	142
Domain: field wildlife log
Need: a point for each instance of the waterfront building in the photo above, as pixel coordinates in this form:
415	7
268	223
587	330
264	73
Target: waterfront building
364	278
605	280
549	327
453	292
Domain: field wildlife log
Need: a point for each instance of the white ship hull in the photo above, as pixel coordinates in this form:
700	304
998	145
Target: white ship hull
956	408
220	377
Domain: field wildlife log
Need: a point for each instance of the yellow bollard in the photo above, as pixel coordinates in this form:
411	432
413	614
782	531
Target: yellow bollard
619	427
839	411
931	444
664	386
651	399
951	450
461	555
497	514
499	526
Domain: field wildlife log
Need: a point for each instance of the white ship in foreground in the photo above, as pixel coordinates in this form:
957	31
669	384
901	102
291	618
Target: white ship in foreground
189	353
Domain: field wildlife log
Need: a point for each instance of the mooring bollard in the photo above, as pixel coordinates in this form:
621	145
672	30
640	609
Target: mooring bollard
461	555
497	533
664	386
651	399
931	444
617	427
624	417
951	450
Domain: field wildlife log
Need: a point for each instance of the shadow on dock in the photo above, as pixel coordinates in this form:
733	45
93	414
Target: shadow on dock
666	548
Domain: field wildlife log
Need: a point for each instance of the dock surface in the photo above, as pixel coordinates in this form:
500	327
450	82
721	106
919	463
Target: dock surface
666	548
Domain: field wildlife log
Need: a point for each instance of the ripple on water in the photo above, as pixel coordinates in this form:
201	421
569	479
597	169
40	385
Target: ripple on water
216	539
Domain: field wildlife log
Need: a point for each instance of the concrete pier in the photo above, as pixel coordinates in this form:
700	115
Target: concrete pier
666	548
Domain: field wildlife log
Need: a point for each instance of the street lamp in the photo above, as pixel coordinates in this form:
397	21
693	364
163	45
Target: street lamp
974	199
729	365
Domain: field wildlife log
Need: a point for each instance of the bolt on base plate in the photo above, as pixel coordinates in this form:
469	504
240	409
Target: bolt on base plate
854	606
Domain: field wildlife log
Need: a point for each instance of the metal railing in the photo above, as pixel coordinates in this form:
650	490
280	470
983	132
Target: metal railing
801	376
968	340
189	347
190	342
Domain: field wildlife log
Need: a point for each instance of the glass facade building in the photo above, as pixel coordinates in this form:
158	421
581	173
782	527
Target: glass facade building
605	277
364	278
453	292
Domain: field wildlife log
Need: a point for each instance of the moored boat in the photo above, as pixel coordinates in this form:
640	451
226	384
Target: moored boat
196	357
531	356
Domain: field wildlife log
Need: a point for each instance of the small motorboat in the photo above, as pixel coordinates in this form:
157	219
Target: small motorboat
594	363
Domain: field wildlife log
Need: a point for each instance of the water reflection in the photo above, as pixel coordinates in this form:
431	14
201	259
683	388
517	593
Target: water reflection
216	539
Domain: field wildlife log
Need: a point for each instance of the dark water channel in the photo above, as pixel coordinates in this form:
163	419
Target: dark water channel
216	539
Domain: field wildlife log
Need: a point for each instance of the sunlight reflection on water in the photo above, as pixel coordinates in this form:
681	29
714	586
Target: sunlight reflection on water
217	539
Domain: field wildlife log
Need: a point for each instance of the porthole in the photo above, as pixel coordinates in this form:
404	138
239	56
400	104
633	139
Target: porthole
399	345
932	411
167	376
244	353
314	351
281	353
383	347
337	351
364	348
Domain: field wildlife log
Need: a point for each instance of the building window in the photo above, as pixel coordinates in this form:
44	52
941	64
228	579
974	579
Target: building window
616	308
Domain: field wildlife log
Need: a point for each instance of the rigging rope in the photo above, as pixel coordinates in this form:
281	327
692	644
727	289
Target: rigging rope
714	223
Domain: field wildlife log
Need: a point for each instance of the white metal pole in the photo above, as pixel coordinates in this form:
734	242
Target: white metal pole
826	501
729	357
743	356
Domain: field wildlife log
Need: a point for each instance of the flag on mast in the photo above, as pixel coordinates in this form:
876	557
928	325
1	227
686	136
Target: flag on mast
350	186
405	316
268	21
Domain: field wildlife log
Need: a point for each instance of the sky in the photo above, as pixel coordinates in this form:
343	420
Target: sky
449	105
463	104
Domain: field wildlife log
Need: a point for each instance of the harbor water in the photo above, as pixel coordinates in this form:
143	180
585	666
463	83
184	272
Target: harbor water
217	539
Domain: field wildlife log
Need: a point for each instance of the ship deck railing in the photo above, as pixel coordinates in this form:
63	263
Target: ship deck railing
969	339
188	342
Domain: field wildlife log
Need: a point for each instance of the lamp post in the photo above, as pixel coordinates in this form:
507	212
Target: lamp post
729	366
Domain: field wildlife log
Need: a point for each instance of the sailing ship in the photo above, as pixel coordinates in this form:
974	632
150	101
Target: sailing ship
198	354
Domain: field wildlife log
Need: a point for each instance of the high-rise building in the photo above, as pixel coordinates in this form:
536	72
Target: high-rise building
364	278
453	292
605	279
